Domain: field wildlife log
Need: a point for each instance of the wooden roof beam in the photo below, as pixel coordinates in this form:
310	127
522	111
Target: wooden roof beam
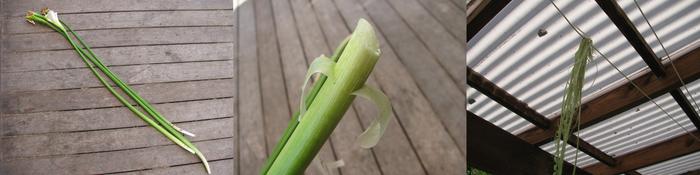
496	151
625	96
623	23
483	11
673	148
520	108
491	90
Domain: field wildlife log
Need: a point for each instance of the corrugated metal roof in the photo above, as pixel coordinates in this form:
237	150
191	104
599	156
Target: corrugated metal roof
674	166
509	52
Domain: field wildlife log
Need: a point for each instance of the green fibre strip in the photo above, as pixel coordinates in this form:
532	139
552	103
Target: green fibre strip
41	19
332	101
291	126
571	103
143	103
322	65
166	128
370	137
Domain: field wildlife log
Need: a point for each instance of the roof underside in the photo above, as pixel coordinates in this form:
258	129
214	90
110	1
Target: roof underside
509	52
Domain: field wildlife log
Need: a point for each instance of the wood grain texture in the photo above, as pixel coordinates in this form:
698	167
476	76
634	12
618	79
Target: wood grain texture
121	37
251	141
106	140
134	19
119	161
116	56
112	117
136	74
450	16
19	8
41	101
178	55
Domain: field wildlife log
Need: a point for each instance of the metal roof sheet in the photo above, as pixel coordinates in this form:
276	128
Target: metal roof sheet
509	52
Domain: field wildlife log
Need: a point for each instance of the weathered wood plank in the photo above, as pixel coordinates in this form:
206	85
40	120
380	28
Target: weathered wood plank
115	56
107	118
73	99
437	151
218	167
310	33
394	153
448	50
446	97
291	51
121	37
274	98
136	74
251	140
19	8
135	19
452	17
119	161
30	146
357	160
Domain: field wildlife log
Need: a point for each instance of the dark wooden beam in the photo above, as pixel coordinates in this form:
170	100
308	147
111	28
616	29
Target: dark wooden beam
488	88
592	151
620	19
482	14
692	172
520	108
625	97
673	148
633	173
496	151
687	107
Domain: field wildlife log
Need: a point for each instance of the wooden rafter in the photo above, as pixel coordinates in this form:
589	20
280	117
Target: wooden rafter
483	11
673	148
488	88
620	19
625	97
491	90
496	151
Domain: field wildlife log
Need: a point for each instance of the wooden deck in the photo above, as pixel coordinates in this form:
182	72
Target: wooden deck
421	70
58	119
232	78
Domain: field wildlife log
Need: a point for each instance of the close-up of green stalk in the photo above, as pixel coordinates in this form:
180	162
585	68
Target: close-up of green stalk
345	75
165	127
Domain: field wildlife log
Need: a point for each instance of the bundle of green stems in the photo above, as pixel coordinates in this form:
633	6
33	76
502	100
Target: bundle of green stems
50	19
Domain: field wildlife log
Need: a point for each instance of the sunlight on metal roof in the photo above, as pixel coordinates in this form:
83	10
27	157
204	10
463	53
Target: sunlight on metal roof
514	52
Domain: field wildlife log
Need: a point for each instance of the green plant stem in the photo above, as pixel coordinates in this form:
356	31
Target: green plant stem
121	99
332	100
291	126
141	102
